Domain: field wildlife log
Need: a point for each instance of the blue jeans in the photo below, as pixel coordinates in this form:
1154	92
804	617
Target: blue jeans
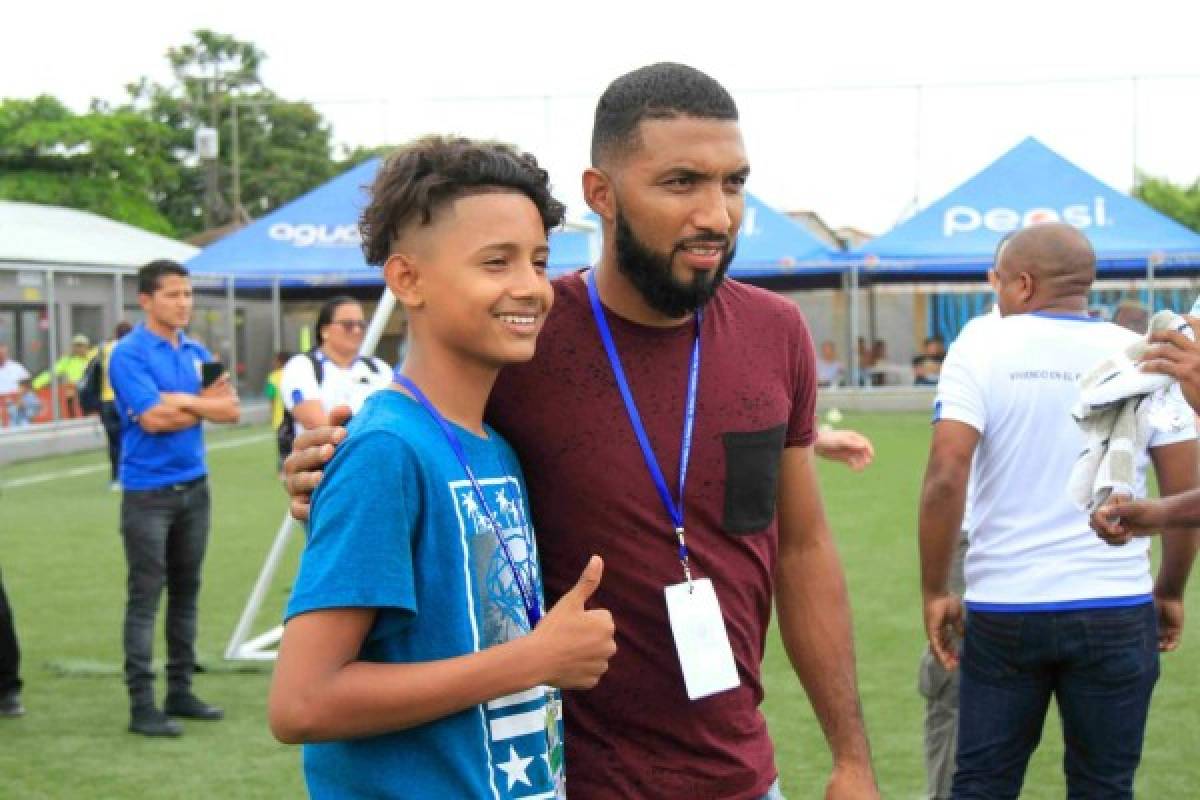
1101	666
165	532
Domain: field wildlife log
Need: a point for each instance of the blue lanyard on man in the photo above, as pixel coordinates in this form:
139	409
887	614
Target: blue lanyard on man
674	510
529	598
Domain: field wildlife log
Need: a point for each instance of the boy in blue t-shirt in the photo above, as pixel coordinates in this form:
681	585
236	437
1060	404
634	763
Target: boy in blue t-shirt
408	665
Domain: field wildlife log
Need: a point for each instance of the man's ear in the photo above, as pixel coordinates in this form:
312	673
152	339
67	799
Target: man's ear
404	279
1028	287
598	193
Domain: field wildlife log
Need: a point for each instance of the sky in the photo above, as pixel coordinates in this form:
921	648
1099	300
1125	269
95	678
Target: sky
860	111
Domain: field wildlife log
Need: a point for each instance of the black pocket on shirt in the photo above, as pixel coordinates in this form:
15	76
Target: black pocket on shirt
751	478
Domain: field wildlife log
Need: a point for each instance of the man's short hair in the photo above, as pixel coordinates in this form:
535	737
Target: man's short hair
422	178
148	277
659	91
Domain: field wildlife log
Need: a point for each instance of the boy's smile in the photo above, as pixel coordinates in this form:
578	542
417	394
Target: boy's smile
522	324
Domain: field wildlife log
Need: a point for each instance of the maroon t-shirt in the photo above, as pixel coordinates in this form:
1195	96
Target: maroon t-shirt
637	734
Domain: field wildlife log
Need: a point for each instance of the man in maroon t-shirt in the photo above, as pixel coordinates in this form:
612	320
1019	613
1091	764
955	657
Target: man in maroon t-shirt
667	182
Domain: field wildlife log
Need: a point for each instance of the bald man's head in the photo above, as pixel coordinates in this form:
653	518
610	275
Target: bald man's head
1046	266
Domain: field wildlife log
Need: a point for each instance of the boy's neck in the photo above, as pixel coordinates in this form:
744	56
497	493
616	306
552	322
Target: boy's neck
457	388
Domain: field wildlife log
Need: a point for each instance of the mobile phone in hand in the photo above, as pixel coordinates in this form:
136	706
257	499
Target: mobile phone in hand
209	372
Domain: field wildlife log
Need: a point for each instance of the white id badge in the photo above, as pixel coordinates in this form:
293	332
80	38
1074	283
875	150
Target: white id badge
701	639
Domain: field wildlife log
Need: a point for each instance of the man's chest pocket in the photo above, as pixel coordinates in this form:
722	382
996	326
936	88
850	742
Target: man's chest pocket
751	478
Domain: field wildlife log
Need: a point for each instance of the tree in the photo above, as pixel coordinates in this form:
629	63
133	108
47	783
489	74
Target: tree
110	163
284	147
1181	203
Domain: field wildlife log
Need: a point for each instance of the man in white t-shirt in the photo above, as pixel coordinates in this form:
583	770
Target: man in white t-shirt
1051	609
11	372
333	374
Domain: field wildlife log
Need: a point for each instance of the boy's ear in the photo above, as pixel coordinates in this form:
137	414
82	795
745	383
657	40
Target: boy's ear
402	277
598	193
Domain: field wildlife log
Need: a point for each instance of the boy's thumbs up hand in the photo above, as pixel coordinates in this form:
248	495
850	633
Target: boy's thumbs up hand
573	642
586	586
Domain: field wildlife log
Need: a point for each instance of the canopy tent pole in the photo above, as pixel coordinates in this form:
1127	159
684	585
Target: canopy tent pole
853	345
276	316
52	344
231	329
1150	264
118	299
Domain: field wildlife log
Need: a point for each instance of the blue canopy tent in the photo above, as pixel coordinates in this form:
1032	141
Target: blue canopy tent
957	236
772	245
314	241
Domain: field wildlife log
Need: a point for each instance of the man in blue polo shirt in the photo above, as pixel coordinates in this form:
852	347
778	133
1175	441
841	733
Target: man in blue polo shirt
156	374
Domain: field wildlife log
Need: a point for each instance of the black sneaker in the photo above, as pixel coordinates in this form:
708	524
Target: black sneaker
190	706
10	705
149	721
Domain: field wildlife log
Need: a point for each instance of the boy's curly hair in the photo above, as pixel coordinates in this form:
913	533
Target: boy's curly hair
422	177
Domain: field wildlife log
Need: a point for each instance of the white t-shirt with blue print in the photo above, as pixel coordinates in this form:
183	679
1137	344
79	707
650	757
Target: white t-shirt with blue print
397	527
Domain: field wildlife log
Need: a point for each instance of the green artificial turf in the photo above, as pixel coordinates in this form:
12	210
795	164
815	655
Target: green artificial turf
63	567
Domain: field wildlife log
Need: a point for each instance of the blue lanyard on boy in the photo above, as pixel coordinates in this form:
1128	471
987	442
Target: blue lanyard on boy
674	510
529	596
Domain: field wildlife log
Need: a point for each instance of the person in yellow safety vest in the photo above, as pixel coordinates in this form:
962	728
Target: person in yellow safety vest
68	370
108	405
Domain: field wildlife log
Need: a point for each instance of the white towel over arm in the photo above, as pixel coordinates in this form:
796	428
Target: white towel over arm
1118	410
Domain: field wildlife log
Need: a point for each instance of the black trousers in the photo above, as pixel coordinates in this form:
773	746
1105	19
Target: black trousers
165	533
112	431
10	652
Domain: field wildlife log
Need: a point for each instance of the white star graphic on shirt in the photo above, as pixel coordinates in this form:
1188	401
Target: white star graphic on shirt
515	768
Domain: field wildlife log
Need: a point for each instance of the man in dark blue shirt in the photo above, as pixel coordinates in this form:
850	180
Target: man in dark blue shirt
156	374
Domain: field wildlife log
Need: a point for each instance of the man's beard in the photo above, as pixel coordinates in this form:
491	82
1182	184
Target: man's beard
650	273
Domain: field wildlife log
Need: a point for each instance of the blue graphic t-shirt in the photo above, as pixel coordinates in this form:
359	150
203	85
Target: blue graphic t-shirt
397	527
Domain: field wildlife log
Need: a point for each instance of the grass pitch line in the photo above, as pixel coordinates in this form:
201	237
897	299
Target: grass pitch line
210	664
76	472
